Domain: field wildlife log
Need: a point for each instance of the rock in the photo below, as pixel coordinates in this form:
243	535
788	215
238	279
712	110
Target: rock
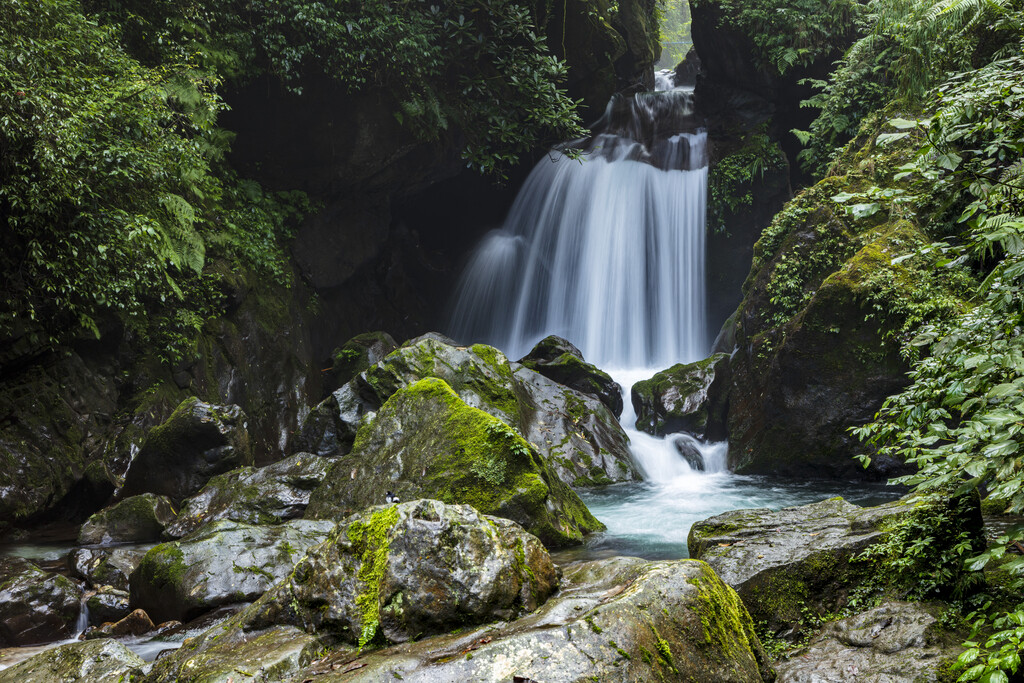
896	641
686	71
798	558
356	355
222	563
613	620
560	361
136	623
106	566
107	604
393	573
266	495
426	442
273	654
35	606
92	661
575	433
691	398
135	519
198	441
686	447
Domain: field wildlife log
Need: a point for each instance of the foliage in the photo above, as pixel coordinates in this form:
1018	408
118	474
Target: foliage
474	68
674	27
731	183
791	33
961	421
110	197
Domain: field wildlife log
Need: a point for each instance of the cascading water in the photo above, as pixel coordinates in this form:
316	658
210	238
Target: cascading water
608	251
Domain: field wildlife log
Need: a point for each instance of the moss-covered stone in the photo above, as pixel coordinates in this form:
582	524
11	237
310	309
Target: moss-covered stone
356	355
560	361
425	442
36	606
92	661
691	397
135	519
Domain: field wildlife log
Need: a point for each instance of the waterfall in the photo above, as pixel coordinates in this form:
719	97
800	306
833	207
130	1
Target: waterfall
606	250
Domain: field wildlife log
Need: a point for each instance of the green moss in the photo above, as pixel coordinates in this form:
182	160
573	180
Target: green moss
726	625
370	541
165	564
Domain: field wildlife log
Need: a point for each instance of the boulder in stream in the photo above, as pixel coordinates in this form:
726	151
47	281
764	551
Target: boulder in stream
425	442
36	606
135	519
896	641
576	433
222	563
782	562
357	354
691	397
91	661
199	440
107	604
265	495
560	361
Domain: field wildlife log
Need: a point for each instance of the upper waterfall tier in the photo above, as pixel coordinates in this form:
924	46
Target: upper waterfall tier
606	250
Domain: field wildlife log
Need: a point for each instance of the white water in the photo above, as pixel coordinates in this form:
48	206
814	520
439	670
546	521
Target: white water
609	253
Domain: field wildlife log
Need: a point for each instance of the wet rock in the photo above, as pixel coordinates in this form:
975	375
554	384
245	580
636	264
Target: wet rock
687	448
272	654
356	355
136	623
198	441
425	442
691	398
224	562
894	642
266	495
575	433
135	519
613	620
107	604
560	361
389	574
93	661
35	606
106	566
786	561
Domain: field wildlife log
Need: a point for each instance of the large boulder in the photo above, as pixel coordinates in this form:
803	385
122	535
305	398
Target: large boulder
92	661
223	563
784	562
425	442
620	619
106	566
198	441
576	433
896	641
265	495
560	361
133	520
691	397
35	606
108	604
388	574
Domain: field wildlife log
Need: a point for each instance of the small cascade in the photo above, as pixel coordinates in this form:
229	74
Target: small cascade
606	250
82	622
664	79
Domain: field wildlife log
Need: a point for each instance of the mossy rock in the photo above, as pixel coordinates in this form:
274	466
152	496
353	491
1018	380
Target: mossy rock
222	563
394	573
92	661
264	495
620	619
690	397
558	360
788	563
106	566
425	442
576	434
356	355
135	519
199	440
